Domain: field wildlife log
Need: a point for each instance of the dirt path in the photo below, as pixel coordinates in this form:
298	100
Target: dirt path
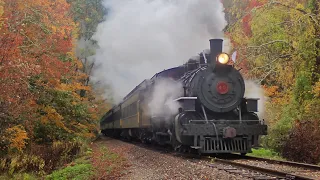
134	162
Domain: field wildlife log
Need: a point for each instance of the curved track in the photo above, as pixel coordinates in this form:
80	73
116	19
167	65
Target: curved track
247	166
261	168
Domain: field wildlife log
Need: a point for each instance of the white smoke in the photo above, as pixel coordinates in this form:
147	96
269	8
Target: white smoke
142	37
253	90
164	93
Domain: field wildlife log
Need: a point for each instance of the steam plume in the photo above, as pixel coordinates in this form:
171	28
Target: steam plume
164	92
253	90
142	37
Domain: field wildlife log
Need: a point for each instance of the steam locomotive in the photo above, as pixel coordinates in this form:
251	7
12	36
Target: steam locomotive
210	114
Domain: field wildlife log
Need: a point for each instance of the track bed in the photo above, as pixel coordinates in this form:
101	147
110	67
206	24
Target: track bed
156	162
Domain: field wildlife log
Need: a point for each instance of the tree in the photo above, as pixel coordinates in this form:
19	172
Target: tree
37	69
88	14
279	40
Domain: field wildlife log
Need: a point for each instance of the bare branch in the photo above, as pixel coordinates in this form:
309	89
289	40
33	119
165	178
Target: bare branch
266	75
312	16
268	43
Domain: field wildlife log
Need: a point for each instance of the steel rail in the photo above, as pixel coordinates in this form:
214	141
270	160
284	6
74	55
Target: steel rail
265	170
273	161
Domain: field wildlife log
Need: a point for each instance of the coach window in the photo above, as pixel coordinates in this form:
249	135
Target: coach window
125	112
134	108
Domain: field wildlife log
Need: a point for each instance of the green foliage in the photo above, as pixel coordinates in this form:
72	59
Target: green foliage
76	172
279	43
303	88
20	176
88	13
107	155
64	116
80	168
265	153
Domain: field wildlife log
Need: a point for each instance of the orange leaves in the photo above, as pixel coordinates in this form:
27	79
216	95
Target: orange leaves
40	80
271	91
17	137
29	48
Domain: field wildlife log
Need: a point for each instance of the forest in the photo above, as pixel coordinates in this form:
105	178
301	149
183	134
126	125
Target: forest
50	109
279	46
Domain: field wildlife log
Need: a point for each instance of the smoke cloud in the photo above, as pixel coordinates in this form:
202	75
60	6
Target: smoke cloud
253	90
142	37
165	92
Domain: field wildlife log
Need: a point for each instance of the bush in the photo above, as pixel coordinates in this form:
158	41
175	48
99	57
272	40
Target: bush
20	176
265	153
303	144
58	154
41	158
78	172
22	163
278	133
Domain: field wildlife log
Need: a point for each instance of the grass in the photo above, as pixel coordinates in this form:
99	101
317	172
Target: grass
95	163
108	165
79	169
107	155
79	172
265	153
20	176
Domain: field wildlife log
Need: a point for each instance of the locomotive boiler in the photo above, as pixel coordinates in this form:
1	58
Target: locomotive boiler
211	114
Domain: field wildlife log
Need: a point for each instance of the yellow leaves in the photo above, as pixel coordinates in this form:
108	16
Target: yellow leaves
316	89
1	11
73	87
64	87
308	108
54	29
79	64
71	55
88	135
17	137
53	116
79	86
299	6
85	130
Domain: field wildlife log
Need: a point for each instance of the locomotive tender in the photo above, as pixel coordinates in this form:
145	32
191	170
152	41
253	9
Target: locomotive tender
212	115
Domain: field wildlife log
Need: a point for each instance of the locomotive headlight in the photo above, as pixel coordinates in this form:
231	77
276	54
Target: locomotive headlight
223	58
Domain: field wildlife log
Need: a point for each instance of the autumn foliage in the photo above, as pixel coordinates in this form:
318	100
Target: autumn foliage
278	46
40	81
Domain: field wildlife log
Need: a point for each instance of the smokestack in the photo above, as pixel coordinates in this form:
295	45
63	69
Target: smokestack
215	49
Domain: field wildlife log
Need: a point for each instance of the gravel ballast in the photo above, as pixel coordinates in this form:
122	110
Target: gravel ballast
145	163
280	167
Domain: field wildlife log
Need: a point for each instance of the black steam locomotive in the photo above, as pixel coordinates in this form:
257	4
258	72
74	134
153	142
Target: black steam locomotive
210	113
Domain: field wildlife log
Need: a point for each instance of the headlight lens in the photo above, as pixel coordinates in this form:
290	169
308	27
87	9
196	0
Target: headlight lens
223	58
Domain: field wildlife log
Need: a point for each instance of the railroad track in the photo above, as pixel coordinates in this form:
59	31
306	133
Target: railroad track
261	168
248	166
290	163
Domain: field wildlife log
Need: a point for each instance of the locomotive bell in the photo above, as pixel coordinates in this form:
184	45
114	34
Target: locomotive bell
215	50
